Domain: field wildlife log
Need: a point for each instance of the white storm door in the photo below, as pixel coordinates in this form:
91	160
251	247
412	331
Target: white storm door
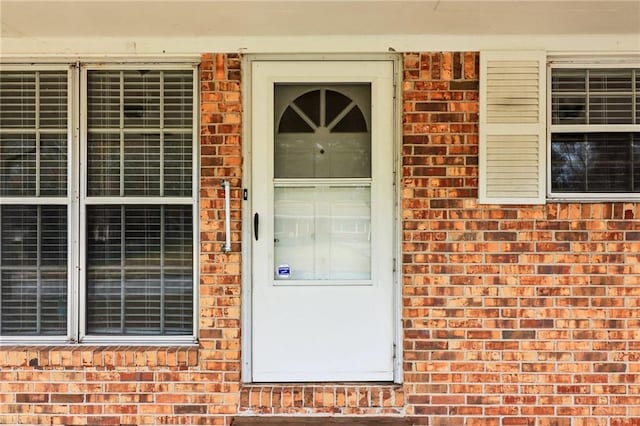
323	214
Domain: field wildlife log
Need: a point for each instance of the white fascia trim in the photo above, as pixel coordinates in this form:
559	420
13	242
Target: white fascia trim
105	59
191	47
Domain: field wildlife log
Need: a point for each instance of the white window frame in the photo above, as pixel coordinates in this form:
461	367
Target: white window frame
76	201
580	64
70	201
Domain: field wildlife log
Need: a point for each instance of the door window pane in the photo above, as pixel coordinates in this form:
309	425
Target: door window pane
322	233
322	131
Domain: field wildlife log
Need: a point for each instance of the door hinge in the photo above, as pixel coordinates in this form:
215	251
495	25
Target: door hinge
245	194
394	351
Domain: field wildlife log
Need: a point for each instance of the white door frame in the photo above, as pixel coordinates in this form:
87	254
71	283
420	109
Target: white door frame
247	228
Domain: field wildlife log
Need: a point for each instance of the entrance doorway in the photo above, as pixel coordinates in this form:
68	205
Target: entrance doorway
323	221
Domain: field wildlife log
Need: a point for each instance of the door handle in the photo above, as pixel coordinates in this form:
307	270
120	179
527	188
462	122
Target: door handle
256	224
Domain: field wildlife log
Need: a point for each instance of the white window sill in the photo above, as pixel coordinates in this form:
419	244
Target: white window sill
100	341
593	198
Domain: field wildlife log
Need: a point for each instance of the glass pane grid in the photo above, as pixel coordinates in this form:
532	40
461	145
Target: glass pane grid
142	165
590	160
53	100
103	99
595	162
149	112
17	99
33	270
103	164
140	270
145	112
594	96
141	98
33	133
178	155
18	164
53	165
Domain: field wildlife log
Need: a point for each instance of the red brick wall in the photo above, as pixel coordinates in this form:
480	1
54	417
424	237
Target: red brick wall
513	315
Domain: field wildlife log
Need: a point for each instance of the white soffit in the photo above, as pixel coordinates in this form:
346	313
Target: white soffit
188	26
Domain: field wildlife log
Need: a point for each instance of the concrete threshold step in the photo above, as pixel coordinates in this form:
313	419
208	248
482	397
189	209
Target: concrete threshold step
319	421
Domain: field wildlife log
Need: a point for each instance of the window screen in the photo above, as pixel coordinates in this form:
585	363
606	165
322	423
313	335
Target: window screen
595	131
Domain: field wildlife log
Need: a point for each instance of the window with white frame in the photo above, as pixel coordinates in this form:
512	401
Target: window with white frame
97	232
595	131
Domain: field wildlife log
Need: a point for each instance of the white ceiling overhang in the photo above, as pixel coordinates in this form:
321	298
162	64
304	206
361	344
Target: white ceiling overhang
188	26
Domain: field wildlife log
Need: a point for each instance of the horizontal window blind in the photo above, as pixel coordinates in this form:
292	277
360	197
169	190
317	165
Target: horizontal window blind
140	127
137	255
595	96
139	277
139	270
33	133
17	165
142	165
33	237
595	130
103	160
18	99
33	270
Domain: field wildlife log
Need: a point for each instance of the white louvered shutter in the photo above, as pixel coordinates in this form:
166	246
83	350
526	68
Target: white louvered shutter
512	128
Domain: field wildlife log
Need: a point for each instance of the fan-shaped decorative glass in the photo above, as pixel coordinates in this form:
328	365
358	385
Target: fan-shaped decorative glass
322	131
